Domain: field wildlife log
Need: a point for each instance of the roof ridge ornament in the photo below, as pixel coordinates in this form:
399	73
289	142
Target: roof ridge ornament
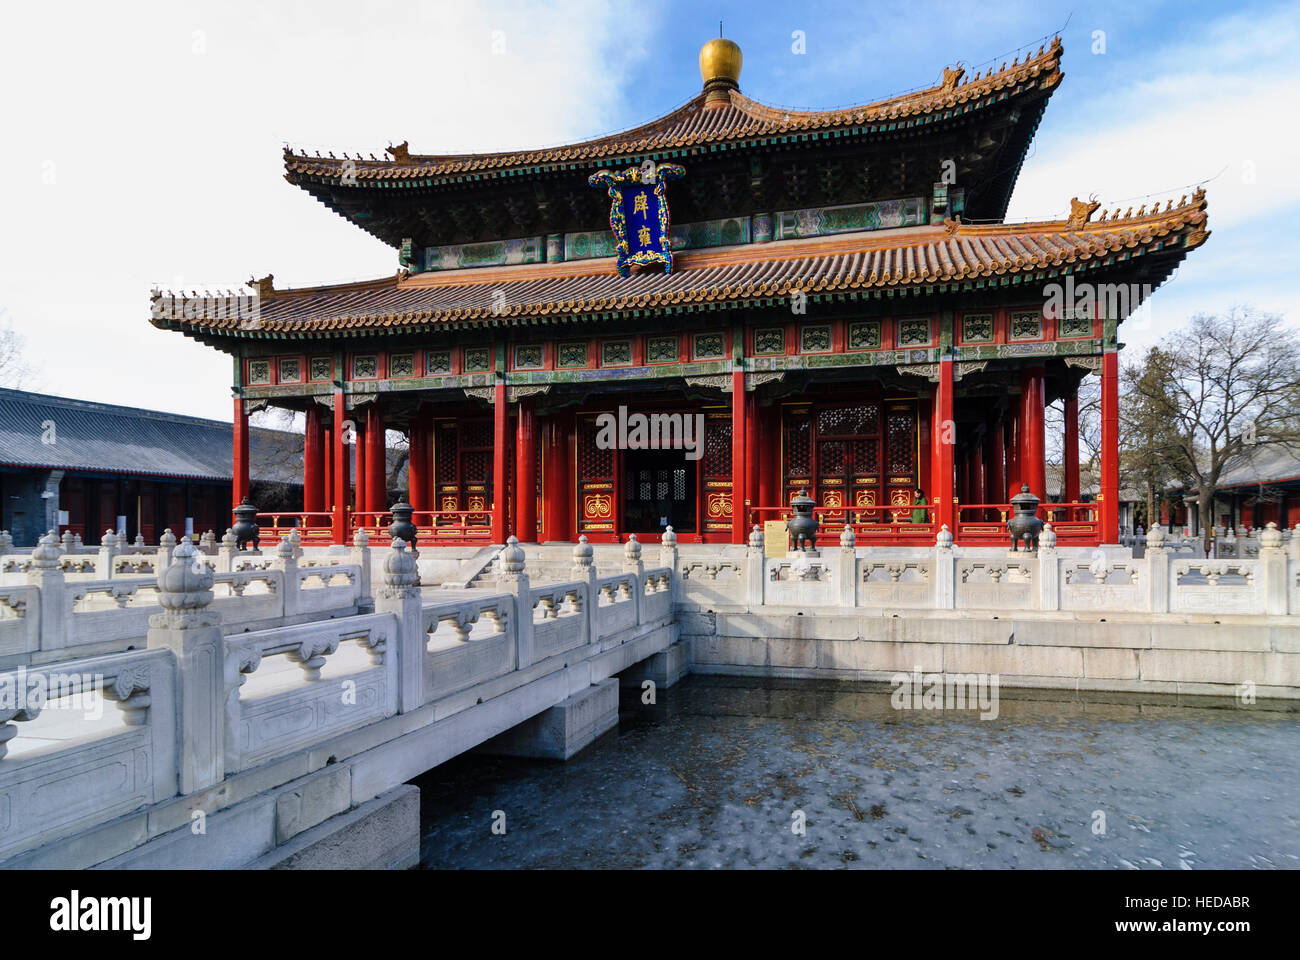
952	77
400	153
1081	212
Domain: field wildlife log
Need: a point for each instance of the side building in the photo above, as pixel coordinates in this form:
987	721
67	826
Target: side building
73	465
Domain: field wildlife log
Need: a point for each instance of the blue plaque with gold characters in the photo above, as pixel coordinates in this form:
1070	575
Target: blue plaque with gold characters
638	213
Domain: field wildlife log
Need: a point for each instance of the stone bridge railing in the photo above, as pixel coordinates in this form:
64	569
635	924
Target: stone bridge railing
87	740
1166	579
53	615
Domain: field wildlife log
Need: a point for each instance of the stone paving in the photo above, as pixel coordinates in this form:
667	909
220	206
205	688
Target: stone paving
713	775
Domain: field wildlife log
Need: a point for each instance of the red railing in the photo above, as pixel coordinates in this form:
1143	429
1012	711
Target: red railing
984	523
313	527
877	524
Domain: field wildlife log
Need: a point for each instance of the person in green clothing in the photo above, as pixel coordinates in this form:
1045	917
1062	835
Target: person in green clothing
920	516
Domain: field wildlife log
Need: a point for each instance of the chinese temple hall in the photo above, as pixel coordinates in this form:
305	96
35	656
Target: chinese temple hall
836	301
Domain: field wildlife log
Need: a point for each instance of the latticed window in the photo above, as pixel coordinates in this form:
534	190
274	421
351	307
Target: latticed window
798	446
573	355
913	333
848	421
365	368
446	453
717	448
290	370
661	349
769	340
977	326
1026	325
438	361
815	339
321	368
830	460
476	359
615	353
477	433
1076	326
900	437
866	456
259	371
477	466
593	461
864	335
401	365
709	346
528	357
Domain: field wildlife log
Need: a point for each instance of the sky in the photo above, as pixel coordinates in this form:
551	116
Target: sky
142	142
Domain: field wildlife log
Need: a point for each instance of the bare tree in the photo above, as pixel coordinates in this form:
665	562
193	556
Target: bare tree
15	372
1212	391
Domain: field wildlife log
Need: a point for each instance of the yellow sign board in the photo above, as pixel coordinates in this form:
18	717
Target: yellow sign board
776	539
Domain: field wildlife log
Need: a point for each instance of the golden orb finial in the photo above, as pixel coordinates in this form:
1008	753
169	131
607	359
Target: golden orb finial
720	67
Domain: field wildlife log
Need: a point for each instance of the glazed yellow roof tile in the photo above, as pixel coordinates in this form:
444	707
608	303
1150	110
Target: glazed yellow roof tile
695	123
886	259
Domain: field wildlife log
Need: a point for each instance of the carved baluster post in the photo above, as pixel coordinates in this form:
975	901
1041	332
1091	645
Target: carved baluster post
668	558
400	595
192	632
6	542
46	574
1049	571
1272	569
848	567
513	579
166	547
290	587
1157	558
945	571
584	569
226	552
108	549
754	568
632	564
361	557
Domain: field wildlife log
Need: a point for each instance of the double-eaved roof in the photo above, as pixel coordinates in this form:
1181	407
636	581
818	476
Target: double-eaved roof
58	433
915	259
697	124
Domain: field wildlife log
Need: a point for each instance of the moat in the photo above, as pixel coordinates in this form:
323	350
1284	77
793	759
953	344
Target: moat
716	773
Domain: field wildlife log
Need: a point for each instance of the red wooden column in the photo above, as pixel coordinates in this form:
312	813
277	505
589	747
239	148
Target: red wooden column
978	477
327	466
753	453
376	461
360	474
1109	495
739	455
996	480
769	443
417	463
557	486
943	437
340	472
1033	436
1072	446
1011	486
313	462
526	473
239	482
500	438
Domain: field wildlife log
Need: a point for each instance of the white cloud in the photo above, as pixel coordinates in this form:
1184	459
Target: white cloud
161	132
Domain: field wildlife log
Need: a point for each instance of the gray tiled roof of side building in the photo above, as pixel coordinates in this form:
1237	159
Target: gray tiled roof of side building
107	438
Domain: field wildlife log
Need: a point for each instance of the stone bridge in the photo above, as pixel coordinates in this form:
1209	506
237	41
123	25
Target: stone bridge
208	707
